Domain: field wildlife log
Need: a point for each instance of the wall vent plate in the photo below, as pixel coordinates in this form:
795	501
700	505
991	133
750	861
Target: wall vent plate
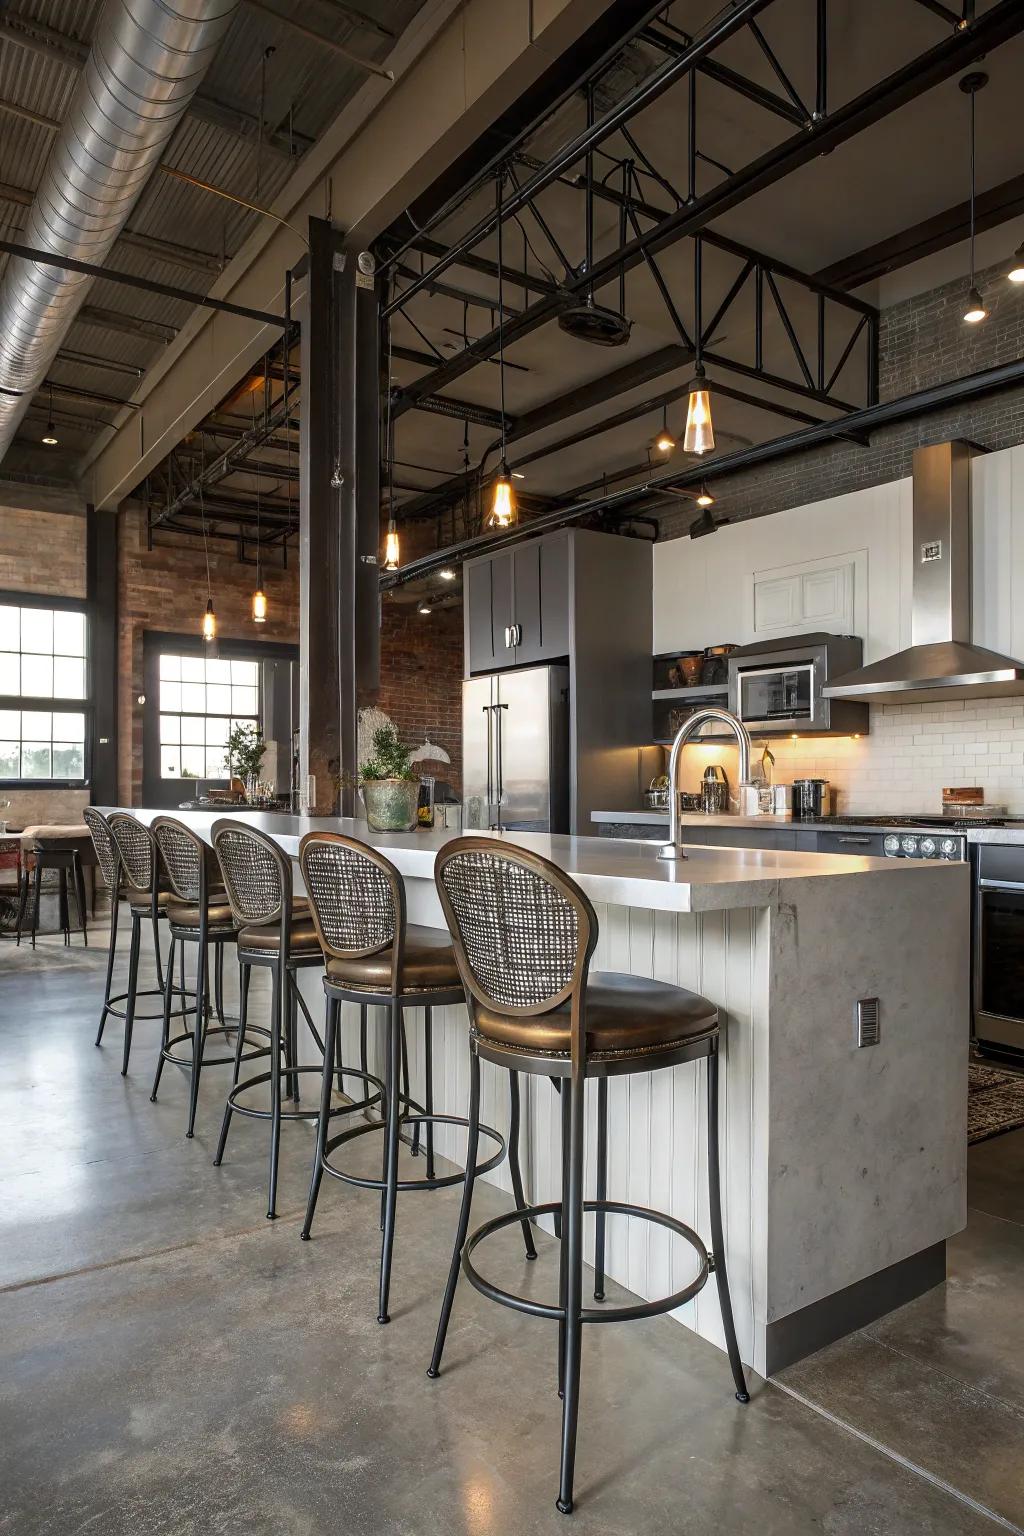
866	1015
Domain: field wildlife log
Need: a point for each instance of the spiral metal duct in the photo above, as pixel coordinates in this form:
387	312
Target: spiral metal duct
146	62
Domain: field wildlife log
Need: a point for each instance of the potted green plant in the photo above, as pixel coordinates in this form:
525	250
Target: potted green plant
244	757
390	787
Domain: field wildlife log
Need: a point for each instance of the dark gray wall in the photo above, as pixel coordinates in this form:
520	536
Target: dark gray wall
922	341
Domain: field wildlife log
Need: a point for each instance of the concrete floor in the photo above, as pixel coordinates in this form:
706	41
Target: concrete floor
170	1363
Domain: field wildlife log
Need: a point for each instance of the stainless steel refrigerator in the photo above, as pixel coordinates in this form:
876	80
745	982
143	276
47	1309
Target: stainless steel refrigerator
515	751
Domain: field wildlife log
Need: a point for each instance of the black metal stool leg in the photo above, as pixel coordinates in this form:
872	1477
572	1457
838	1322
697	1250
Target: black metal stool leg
330	1040
114	905
278	1010
560	1230
572	1242
434	1369
244	977
293	1032
154	919
513	1160
76	866
602	1185
406	1090
362	1036
394	1067
199	1032
428	1075
62	904
718	1235
165	1033
133	981
23	890
218	984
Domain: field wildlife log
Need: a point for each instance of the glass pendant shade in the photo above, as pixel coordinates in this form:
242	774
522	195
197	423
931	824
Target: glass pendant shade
699	436
209	622
503	504
259	606
50	435
1016	272
705	498
664	442
391	551
974	310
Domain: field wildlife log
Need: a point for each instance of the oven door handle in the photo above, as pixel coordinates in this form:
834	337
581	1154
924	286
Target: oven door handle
1001	885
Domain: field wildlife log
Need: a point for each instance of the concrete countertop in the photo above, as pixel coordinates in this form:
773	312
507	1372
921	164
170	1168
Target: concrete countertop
620	872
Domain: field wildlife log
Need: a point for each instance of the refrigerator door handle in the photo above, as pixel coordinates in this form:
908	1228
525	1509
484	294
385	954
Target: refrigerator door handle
490	756
498	728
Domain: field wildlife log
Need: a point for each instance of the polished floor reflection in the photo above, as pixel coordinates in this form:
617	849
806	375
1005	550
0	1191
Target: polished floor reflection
171	1363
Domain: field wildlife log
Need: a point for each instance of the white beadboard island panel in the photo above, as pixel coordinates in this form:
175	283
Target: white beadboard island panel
838	1162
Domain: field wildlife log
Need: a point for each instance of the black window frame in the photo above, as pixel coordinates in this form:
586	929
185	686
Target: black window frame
31	704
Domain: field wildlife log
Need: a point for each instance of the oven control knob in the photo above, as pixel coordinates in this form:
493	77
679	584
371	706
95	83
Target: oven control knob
909	845
891	846
948	848
927	848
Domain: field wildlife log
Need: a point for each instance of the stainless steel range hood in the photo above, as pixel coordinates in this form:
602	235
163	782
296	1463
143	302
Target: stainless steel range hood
941	664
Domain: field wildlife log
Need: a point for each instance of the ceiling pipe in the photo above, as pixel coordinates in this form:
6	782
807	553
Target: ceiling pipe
146	64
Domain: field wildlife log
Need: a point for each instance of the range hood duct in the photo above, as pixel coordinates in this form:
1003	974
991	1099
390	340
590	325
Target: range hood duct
942	664
146	62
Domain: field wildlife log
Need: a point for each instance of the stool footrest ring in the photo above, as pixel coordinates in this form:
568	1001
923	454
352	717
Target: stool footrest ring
587	1314
150	1018
444	1182
294	1114
214	1061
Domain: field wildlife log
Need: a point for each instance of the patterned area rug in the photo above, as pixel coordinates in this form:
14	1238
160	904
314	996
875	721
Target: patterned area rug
995	1102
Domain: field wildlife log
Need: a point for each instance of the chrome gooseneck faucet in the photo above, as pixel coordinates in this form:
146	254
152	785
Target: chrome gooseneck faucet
674	848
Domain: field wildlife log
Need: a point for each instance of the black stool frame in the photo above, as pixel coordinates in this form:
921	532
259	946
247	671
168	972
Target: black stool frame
117	870
67	861
563	978
186	859
258	878
358	901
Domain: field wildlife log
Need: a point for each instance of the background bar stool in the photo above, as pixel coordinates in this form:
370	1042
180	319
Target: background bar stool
276	931
524	935
199	914
64	849
143	901
373	954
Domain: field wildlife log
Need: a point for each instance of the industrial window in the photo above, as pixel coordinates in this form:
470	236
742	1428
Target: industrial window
201	700
44	674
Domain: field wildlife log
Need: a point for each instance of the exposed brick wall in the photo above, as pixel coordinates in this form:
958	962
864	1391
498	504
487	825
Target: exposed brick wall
165	589
41	552
421	679
922	341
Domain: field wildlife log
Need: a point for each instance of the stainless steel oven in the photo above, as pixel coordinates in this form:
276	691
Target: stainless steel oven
999	946
776	687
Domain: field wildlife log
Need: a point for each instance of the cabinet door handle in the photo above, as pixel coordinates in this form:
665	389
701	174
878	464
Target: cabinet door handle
855	840
508	636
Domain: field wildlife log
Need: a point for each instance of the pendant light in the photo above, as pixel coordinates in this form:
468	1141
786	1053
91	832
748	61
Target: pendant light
209	625
1016	272
704	497
50	437
503	502
664	442
259	597
699	436
391	550
974	307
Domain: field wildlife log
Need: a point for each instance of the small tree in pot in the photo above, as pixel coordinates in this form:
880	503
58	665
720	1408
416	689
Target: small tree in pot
244	757
391	789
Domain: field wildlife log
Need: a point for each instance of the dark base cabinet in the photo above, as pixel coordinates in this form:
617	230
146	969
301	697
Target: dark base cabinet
788	839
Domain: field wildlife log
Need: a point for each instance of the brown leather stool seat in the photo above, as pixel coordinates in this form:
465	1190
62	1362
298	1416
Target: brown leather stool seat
142	901
624	1013
428	964
186	914
302	939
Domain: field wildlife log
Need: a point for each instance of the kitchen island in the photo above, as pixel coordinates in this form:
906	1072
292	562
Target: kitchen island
843	1165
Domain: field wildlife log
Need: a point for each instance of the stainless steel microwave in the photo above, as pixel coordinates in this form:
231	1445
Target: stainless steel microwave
775	687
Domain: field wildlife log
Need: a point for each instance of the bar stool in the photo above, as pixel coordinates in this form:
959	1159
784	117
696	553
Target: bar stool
274	930
524	934
144	901
373	954
199	914
63	850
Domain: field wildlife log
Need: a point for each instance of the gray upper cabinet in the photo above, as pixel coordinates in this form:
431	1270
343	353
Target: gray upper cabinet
517	605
